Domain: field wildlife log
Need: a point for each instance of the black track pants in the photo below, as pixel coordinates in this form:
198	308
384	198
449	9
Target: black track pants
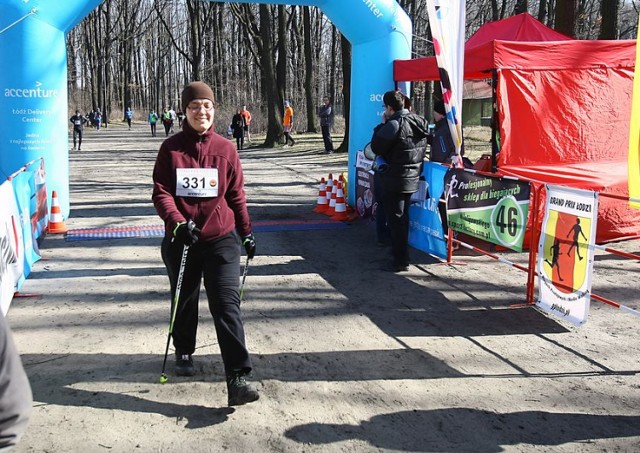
218	262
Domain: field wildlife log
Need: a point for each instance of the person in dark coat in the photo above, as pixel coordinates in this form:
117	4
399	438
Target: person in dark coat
238	125
442	145
401	140
78	122
325	112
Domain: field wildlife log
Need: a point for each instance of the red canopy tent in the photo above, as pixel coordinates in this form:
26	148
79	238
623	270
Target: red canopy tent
563	109
479	49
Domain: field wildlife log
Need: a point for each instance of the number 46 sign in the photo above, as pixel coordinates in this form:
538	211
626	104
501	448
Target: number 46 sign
489	208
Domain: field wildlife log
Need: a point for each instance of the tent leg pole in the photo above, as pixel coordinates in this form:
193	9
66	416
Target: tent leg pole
494	122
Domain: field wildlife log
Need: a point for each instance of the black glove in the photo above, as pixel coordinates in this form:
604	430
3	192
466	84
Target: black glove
249	243
186	233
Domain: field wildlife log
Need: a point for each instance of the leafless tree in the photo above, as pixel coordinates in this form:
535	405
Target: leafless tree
141	53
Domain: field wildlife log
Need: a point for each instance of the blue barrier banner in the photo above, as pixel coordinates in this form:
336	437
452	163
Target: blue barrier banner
25	191
425	226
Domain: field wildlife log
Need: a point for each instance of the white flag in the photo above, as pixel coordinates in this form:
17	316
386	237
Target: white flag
447	22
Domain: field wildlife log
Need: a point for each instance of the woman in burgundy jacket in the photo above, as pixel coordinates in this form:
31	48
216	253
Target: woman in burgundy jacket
198	190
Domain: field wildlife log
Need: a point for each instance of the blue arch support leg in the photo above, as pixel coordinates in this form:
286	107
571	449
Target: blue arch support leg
33	86
379	32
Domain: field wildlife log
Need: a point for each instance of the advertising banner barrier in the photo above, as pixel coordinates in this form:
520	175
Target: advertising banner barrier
11	246
23	225
25	187
566	252
365	194
488	208
425	225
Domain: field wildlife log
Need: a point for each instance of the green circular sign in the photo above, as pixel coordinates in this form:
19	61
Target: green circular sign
507	221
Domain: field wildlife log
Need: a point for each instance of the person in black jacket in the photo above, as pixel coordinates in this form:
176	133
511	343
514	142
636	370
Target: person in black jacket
401	140
237	124
325	112
78	122
442	146
442	150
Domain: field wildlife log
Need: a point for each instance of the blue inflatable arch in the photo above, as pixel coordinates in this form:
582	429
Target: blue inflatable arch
33	80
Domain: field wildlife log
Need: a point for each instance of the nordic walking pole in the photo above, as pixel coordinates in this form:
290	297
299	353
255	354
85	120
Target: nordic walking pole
244	277
176	298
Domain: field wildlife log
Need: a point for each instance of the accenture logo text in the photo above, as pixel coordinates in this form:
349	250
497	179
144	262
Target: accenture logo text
36	92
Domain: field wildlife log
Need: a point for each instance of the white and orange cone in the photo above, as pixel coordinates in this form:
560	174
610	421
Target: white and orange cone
341	205
323	203
331	209
56	223
329	188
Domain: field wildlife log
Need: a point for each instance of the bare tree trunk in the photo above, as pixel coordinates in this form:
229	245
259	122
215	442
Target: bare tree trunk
609	14
274	128
129	24
565	21
542	11
308	71
72	73
333	66
281	63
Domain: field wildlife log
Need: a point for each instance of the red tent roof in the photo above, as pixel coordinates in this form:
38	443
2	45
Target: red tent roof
479	49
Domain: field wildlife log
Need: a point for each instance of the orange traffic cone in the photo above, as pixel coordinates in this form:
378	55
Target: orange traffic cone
332	199
322	203
341	205
329	188
56	223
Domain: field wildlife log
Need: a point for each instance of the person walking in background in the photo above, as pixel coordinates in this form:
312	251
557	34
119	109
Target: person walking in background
180	118
238	124
287	123
78	122
152	119
16	398
167	122
325	112
128	115
198	191
91	116
174	118
98	119
401	140
247	121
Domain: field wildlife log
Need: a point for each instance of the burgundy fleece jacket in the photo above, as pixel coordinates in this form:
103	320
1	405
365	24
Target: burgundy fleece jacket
215	216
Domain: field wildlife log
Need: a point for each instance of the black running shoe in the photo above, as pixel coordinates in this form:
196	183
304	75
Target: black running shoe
184	365
240	391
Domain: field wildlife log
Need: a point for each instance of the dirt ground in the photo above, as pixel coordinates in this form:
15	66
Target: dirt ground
346	356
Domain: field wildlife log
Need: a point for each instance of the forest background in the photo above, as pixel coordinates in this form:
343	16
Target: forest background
142	53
